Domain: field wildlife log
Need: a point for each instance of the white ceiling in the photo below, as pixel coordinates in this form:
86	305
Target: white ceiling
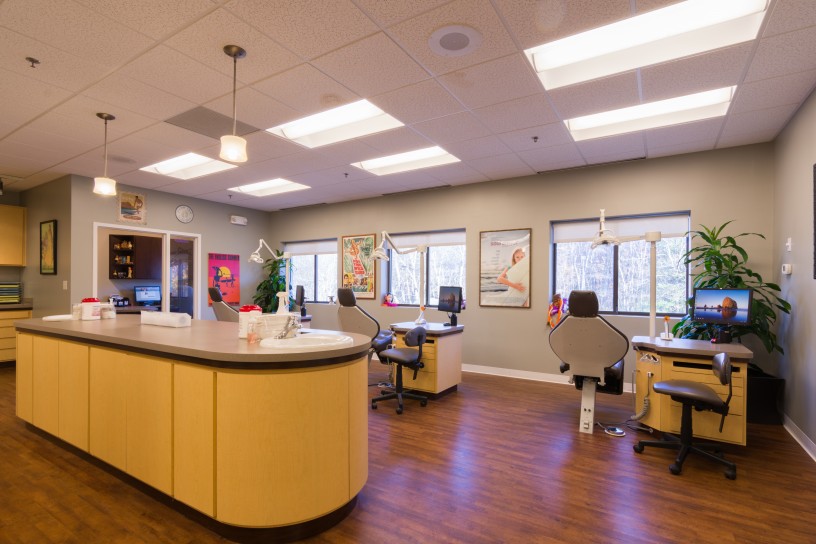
150	60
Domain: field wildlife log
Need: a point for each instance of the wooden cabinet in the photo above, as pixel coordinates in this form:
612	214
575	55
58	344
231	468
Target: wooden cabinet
108	408
442	357
25	371
13	235
8	351
73	393
135	257
45	384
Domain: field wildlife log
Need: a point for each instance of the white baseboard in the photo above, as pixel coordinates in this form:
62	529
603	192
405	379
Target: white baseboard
797	434
526	375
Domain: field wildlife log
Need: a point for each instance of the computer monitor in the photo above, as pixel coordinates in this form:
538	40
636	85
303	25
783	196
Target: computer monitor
147	295
450	302
722	307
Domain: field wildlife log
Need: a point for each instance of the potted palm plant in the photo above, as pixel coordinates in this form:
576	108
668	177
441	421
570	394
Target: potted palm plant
718	261
275	282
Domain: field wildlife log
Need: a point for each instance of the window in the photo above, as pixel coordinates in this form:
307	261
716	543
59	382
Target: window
314	266
620	275
444	265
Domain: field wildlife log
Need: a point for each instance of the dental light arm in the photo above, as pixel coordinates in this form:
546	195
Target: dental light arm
380	254
255	257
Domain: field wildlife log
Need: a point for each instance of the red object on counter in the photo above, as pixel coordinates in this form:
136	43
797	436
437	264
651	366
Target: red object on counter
250	308
90	299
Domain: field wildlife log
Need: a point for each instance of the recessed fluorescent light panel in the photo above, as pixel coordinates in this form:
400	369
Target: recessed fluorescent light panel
331	126
269	187
189	166
674	111
403	162
676	31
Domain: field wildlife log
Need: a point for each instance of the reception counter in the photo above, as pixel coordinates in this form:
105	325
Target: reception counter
252	437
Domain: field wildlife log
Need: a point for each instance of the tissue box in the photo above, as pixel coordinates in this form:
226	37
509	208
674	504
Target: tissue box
166	319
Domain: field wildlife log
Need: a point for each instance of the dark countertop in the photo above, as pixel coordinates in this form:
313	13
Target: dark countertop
26	304
206	342
434	329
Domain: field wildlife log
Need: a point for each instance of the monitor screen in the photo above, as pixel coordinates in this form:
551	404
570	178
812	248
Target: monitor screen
450	299
147	295
722	306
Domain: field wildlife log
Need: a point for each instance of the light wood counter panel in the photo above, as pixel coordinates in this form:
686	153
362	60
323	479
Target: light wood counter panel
25	377
277	445
45	384
73	393
13	234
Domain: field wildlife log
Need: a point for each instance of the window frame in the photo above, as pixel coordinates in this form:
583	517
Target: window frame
314	255
616	258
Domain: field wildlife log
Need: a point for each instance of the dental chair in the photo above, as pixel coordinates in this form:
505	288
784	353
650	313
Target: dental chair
591	351
222	310
352	318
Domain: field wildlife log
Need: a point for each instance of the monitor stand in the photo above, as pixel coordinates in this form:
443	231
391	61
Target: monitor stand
723	337
453	320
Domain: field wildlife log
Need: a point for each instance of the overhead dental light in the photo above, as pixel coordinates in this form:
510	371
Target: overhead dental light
233	147
380	254
255	257
104	185
605	236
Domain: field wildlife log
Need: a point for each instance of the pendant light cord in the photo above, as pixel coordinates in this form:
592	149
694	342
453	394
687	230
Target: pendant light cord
106	148
234	79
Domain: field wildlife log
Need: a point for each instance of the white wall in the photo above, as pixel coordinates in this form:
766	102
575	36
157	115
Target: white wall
793	214
716	186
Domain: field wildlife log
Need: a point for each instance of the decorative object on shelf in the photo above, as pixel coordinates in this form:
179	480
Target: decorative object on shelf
272	294
233	147
48	247
504	268
380	254
184	213
224	274
717	261
104	185
132	208
358	264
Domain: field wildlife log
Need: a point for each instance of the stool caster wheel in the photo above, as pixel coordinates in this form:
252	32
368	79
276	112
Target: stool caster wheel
731	473
675	469
399	411
373	405
423	403
638	448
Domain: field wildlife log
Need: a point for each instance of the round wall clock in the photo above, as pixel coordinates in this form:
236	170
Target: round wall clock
184	213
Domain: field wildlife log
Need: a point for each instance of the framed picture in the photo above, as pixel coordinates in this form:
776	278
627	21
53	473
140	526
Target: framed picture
358	264
48	247
132	208
223	273
504	268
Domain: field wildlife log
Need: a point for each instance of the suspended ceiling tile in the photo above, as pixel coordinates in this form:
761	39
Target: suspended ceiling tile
701	131
790	15
758	121
398	140
458	173
552	158
536	23
204	41
156	18
253	108
616	156
175	73
487	146
74	29
306	89
79	114
389	13
143	180
418	102
17	165
734	139
479	15
174	138
492	82
130	94
452	128
371	66
624	145
516	114
784	54
57	68
502	166
681	148
609	93
309	29
28	96
547	135
792	89
344	153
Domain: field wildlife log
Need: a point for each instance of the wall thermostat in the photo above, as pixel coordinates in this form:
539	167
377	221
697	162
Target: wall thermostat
238	220
787	269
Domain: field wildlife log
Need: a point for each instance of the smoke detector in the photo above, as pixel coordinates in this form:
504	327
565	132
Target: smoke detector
455	41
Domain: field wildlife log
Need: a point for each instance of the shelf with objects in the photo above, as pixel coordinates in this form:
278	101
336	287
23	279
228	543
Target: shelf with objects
135	257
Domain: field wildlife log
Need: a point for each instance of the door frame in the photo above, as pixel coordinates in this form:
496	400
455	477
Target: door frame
165	236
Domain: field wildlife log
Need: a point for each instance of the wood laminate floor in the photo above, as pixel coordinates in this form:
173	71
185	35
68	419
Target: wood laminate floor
501	460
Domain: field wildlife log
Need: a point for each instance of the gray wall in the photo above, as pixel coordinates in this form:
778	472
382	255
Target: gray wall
716	186
793	218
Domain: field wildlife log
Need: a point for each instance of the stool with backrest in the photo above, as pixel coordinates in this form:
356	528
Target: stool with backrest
222	310
699	397
352	318
592	351
407	357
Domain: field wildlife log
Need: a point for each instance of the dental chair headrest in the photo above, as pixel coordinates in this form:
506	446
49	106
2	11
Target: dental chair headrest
583	304
215	294
345	297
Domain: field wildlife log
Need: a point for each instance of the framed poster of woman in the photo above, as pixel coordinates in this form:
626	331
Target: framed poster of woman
504	268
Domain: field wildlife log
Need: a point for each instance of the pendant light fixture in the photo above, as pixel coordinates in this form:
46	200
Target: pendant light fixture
233	147
105	185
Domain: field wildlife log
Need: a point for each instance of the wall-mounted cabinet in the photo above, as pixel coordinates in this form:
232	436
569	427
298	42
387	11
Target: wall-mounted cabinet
12	233
135	257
